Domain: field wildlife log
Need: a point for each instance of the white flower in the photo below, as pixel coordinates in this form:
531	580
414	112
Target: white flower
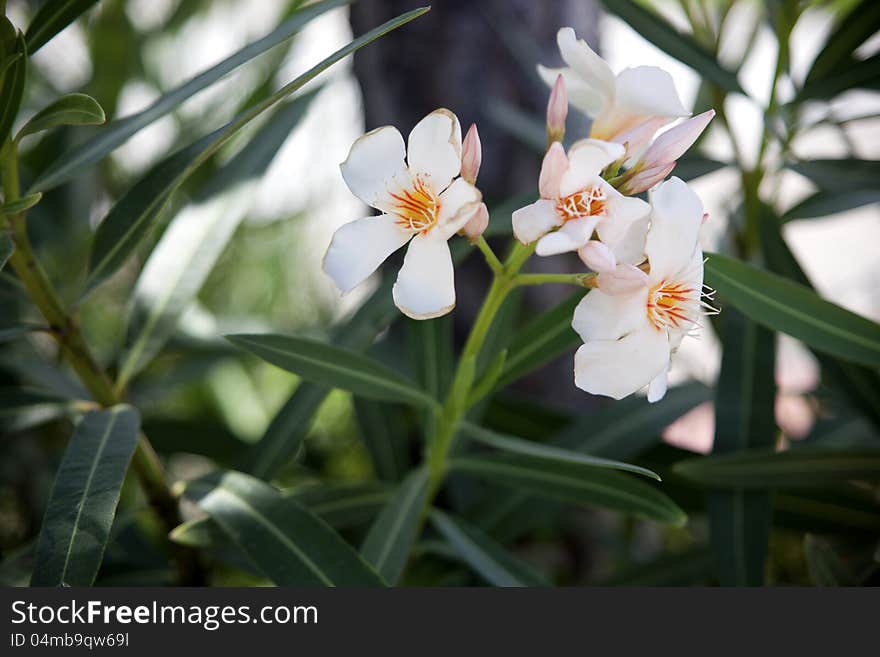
575	199
423	202
637	100
629	337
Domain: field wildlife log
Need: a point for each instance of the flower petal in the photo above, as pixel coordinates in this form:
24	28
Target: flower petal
601	316
580	94
572	236
624	226
586	159
373	162
647	91
658	385
591	68
623	279
359	247
597	256
425	286
676	217
535	220
636	139
553	167
434	148
457	205
617	368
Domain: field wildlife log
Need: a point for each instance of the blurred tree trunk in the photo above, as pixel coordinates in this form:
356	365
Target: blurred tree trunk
474	57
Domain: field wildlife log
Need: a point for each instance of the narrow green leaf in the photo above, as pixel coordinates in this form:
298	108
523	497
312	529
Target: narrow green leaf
825	566
692	166
540	341
693	567
837	508
389	542
21	205
25	408
432	352
855	28
130	219
384	433
13	87
823	204
196	238
84	498
801	467
740	521
488	559
854	74
289	544
783	305
549	452
7	248
681	46
52	17
118	132
334	366
840	176
573	482
72	109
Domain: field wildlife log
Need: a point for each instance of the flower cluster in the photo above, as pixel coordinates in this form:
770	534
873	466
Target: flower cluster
646	255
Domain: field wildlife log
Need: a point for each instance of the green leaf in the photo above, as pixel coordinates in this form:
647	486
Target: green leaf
131	218
573	482
334	366
695	566
825	566
851	32
389	542
692	166
196	238
52	17
839	508
823	204
513	445
854	74
783	305
540	341
290	545
7	248
432	352
800	467
13	87
681	46
73	109
83	501
25	408
118	132
840	176
488	559
384	433
21	205
740	521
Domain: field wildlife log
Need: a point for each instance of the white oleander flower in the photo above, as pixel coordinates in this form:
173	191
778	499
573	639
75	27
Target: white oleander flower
629	336
628	107
423	202
576	200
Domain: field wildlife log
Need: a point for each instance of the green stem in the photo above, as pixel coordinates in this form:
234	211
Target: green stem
581	280
491	259
65	329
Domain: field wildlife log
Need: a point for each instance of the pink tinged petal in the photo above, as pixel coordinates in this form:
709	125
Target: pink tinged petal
425	286
557	110
676	217
586	159
477	224
646	179
618	368
535	220
636	139
657	387
591	68
373	163
624	279
598	257
359	247
457	205
601	316
647	91
434	148
554	166
570	237
673	143
621	212
471	155
580	94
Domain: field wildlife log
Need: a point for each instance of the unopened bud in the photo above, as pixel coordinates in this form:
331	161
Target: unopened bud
557	111
622	280
471	155
477	224
644	179
597	256
673	143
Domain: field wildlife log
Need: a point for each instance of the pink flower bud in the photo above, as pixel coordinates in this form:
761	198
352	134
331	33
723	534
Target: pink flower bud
471	155
622	280
673	143
645	179
557	111
553	167
477	224
597	256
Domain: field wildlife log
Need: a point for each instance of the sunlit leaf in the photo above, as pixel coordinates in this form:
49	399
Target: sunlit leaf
21	205
73	109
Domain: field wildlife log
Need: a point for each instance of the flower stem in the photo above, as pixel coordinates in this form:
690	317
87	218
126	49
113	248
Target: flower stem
581	280
65	329
491	259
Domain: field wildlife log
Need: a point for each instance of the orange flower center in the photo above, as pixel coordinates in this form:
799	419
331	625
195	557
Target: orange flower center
673	305
417	208
588	202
